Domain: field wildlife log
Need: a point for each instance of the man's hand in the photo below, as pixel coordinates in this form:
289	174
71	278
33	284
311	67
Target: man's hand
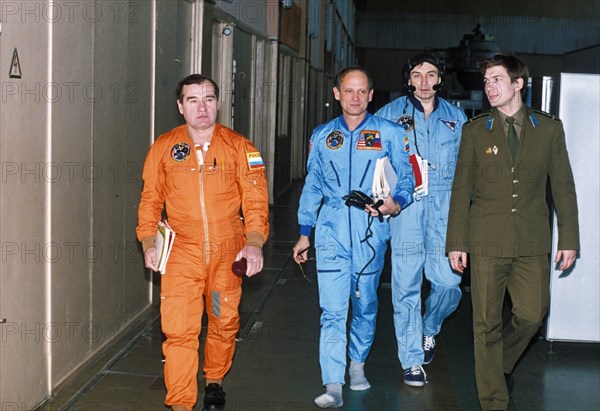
458	260
254	259
388	207
568	258
301	249
151	258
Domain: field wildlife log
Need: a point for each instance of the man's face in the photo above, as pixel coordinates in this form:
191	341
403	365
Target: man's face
423	78
354	94
499	89
199	105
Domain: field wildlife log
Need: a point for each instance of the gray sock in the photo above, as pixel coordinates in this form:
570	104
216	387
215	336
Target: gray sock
332	398
358	381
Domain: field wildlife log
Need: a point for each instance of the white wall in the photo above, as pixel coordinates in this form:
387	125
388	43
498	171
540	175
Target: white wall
574	303
24	194
74	132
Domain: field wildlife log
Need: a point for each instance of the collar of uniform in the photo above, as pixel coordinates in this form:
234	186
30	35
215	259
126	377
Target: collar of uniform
367	117
519	117
415	102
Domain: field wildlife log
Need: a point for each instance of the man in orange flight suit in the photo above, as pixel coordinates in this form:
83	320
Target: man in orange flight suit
203	174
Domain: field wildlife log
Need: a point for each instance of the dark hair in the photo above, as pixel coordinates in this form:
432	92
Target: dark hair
337	82
417	61
515	68
195	79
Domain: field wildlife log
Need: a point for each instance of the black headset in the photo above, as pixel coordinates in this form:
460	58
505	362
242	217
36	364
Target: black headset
418	60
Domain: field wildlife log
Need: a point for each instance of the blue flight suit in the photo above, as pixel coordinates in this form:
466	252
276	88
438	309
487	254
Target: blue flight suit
341	161
419	232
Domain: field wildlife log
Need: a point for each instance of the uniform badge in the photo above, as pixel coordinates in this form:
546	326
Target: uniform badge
406	122
490	150
334	140
180	152
369	140
406	144
255	160
451	124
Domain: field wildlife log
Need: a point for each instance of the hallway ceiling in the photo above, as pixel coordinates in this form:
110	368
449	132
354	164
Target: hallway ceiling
549	8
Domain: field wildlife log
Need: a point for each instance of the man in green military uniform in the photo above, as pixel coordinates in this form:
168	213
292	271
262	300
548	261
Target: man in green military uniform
499	216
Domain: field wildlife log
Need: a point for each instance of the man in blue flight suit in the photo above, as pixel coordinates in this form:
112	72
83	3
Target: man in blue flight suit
431	134
350	244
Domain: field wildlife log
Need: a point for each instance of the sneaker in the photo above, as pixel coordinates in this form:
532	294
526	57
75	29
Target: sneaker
214	397
415	376
428	348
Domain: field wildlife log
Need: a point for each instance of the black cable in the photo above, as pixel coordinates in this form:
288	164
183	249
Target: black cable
414	126
415	133
368	234
291	257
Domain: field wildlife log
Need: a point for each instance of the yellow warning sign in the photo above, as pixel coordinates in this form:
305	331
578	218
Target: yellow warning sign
15	65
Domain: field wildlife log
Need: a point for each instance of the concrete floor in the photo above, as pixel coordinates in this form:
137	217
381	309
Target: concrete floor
276	364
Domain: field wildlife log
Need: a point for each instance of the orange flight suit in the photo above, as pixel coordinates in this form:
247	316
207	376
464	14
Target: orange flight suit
203	206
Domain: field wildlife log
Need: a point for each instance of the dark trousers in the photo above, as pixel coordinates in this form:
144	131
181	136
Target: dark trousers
497	347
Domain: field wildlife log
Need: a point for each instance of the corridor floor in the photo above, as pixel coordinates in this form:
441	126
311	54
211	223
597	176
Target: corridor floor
276	364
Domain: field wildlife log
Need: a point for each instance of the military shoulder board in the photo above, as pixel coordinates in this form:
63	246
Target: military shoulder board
547	115
480	116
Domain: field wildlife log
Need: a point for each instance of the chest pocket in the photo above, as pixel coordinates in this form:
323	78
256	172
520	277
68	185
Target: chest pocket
332	173
221	179
179	178
448	154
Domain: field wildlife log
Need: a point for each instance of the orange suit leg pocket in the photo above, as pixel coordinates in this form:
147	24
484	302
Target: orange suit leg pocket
173	312
223	327
181	305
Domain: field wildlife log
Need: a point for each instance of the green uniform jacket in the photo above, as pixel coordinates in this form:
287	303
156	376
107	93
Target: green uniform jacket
498	208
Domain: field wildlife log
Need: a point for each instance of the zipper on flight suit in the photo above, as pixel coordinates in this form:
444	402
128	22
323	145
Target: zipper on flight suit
202	203
350	183
204	218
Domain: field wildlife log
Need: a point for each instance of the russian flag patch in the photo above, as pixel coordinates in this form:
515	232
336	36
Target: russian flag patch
255	160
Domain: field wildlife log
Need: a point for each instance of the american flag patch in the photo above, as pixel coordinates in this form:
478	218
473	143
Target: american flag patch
369	140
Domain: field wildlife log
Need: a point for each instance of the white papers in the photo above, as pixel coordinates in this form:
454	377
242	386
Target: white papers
384	179
164	243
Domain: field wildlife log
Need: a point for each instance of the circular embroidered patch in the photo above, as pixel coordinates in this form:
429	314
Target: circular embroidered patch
406	122
335	140
180	152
